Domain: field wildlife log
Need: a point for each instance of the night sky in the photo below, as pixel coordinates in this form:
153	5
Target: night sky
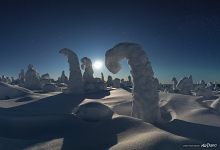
181	37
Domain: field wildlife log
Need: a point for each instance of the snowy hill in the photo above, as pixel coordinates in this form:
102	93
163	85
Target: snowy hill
47	122
8	91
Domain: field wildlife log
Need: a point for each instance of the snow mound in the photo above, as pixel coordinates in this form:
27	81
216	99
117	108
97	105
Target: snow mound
50	87
216	105
8	91
206	93
93	111
68	132
188	108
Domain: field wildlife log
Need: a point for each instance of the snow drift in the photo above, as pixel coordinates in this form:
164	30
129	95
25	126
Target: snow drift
8	91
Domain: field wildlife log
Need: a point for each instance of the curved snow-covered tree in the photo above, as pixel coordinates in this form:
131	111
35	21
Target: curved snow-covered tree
145	96
75	84
87	66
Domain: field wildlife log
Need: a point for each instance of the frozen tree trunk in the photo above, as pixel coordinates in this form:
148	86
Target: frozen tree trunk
75	84
145	96
87	66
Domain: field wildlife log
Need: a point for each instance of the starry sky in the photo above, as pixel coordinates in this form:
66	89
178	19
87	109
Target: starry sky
180	37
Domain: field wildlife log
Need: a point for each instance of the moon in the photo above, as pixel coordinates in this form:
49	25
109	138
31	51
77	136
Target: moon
98	64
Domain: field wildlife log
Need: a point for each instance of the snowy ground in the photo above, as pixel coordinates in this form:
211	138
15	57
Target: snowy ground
44	121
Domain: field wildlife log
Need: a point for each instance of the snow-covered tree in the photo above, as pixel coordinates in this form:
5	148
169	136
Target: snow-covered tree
116	83
210	85
174	81
102	77
63	78
32	78
109	81
202	90
185	85
129	81
88	70
75	84
146	98
45	76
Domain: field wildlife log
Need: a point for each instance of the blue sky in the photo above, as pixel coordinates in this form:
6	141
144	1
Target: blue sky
180	38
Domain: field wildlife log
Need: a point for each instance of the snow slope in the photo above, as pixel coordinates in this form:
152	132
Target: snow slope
47	123
8	91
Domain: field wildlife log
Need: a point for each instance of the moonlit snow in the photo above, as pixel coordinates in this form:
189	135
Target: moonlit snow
8	91
84	112
216	105
93	111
